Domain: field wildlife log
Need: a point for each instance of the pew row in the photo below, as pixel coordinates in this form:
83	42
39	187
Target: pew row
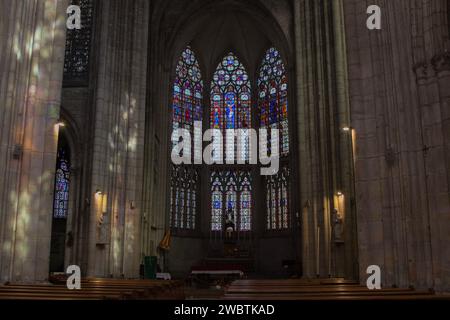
317	289
97	289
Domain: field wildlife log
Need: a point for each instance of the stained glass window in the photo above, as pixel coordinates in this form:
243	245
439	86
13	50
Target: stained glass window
216	202
183	197
245	202
78	45
231	192
231	102
187	94
273	98
62	182
273	111
186	109
277	200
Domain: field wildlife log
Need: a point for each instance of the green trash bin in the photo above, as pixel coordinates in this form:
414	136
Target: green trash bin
150	265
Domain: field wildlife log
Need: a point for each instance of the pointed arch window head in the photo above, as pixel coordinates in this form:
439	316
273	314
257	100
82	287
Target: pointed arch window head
273	97
187	93
231	99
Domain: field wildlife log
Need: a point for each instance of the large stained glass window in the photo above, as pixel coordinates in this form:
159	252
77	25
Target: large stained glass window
231	194
277	200
186	109
78	46
273	111
273	98
62	182
231	103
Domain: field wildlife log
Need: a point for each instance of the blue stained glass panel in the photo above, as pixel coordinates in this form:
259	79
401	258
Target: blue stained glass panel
62	183
272	97
231	98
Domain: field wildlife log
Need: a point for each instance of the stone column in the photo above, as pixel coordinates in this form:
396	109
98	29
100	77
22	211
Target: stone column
345	254
157	155
322	109
309	218
399	119
31	64
120	98
431	54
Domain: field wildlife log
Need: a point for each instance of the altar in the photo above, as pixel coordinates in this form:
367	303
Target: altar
220	271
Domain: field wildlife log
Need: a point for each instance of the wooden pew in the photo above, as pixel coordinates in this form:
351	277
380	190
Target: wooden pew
291	282
97	289
101	292
301	289
155	289
328	298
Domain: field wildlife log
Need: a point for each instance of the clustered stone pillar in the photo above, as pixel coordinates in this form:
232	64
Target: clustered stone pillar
156	196
118	155
431	44
31	70
401	122
325	162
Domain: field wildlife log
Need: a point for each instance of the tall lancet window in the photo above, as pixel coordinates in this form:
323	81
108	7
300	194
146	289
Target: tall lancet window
62	182
273	111
61	204
187	102
231	105
231	189
277	188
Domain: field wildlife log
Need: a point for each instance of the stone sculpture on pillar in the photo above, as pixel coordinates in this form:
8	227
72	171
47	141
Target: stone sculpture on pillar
337	225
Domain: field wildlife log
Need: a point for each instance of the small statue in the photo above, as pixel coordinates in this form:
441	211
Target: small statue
102	228
229	222
337	224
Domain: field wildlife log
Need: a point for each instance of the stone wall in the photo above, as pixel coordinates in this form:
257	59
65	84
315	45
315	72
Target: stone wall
118	139
399	93
31	69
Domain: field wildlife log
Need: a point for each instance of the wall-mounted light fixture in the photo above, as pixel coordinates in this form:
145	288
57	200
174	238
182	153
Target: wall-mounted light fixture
60	124
339	194
98	192
346	129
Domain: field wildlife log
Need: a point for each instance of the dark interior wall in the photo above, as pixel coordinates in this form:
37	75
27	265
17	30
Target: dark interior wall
75	103
184	253
76	110
271	253
269	256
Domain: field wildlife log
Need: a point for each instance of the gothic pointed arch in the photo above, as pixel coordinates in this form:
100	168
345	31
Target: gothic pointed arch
231	189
